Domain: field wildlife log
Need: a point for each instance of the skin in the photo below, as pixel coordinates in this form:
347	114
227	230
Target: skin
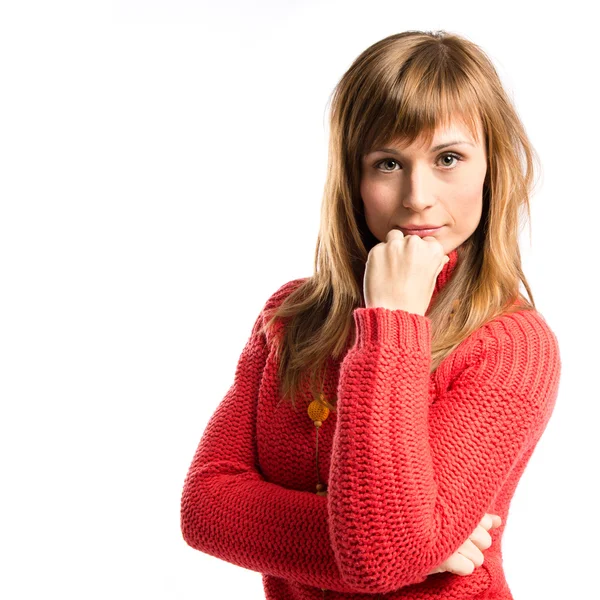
413	184
416	185
469	555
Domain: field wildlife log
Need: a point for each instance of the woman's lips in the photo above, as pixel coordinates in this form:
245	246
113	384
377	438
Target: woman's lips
420	232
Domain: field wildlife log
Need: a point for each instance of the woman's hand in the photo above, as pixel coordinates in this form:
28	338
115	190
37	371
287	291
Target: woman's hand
470	555
401	272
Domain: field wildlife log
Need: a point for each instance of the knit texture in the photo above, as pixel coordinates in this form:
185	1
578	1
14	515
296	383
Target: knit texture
412	461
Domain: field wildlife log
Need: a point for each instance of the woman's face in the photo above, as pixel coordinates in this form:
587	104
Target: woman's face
415	186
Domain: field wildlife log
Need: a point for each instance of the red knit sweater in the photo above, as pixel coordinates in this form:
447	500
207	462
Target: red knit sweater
412	461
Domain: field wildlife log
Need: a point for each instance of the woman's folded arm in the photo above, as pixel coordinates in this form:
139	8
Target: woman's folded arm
229	511
410	480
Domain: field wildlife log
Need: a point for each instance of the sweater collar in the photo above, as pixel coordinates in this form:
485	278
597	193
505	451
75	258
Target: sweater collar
445	275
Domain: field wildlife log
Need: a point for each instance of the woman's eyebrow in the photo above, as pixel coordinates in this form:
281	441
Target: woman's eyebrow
434	149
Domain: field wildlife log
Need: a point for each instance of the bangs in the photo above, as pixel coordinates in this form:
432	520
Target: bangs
424	97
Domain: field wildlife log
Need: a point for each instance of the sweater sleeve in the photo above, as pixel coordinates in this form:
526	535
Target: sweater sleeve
228	510
410	478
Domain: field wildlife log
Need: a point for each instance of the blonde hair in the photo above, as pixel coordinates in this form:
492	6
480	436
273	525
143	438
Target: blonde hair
404	87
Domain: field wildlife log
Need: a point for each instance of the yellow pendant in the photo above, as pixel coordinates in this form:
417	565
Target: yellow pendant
317	409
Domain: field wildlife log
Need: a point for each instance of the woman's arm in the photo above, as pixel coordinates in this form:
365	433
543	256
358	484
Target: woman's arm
229	511
410	480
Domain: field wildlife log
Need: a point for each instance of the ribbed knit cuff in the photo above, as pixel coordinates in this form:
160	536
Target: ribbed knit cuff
401	329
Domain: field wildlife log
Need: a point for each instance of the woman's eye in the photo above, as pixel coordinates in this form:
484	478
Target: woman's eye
457	157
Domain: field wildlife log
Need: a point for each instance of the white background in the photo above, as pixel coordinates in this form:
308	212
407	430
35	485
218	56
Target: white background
162	166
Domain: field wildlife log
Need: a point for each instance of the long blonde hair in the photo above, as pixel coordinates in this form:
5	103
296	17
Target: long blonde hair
404	87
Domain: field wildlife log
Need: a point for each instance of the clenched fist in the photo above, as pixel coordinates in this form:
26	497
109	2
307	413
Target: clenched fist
470	555
401	272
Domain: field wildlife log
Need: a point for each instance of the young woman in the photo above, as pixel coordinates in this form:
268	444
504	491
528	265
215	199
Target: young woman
426	378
